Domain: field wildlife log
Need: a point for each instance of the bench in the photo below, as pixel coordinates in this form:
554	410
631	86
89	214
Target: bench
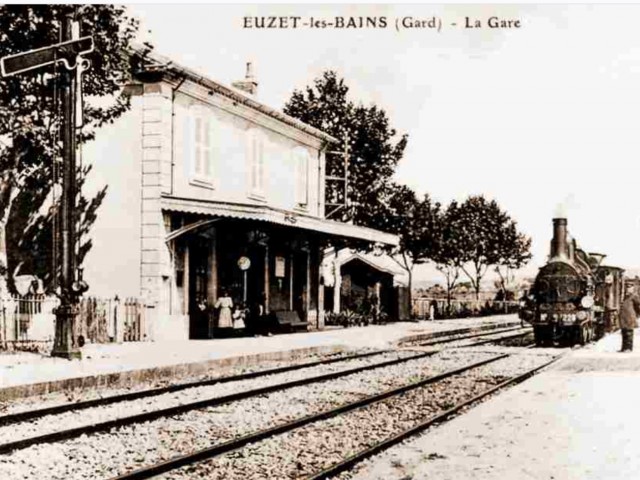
289	321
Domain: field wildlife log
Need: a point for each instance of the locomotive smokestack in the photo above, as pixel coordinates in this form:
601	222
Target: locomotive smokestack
559	245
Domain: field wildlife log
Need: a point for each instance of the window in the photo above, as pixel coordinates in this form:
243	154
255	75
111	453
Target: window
256	153
202	133
301	162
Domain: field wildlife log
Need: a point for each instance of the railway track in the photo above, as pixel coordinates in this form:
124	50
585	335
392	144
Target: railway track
202	406
126	397
468	336
156	414
34	414
521	335
351	461
216	450
392	394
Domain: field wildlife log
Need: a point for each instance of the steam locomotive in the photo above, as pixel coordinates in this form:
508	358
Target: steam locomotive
574	298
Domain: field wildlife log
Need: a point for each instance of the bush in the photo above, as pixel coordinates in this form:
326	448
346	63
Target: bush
352	318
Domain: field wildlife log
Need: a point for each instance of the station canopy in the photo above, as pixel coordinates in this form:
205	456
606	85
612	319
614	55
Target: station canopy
263	213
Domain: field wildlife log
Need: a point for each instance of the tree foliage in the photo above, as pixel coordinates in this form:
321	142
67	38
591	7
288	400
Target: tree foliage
415	221
30	143
514	252
365	132
486	236
449	254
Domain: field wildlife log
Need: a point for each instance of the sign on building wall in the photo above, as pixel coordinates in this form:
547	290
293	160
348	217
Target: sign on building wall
280	267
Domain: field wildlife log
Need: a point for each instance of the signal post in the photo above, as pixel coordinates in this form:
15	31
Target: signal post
68	53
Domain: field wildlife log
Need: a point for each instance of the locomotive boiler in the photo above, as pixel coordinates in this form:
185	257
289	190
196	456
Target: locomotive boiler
574	297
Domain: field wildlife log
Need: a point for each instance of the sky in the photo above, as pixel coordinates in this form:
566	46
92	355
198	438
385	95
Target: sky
540	118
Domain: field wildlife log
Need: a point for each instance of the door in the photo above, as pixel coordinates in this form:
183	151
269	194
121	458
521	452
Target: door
300	284
198	278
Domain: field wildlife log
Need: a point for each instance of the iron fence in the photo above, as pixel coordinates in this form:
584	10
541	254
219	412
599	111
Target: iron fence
436	308
28	322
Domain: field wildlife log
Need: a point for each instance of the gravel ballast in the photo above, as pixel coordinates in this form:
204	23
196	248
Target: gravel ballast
307	450
108	454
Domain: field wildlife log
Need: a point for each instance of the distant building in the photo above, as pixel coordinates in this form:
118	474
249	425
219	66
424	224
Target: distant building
209	189
353	280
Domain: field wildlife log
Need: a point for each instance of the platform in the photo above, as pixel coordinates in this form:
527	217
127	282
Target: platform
578	420
25	374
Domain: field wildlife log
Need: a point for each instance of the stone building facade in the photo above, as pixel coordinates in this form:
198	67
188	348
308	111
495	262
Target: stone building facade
230	196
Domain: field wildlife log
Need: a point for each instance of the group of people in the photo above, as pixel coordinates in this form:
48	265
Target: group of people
228	315
229	318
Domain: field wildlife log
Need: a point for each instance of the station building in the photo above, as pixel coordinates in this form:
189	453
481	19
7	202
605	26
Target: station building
355	280
209	189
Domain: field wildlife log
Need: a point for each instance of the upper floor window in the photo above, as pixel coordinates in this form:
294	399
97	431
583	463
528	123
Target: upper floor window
202	152
256	162
301	163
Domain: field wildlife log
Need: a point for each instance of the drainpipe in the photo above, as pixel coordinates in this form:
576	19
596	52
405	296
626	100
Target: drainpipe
173	114
321	180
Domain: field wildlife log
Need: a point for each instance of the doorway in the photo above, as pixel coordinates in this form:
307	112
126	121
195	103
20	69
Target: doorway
299	282
198	281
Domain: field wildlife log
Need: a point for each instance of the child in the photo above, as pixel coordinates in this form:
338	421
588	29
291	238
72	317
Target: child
239	316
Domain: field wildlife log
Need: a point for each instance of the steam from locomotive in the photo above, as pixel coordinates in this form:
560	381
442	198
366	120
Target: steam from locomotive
574	298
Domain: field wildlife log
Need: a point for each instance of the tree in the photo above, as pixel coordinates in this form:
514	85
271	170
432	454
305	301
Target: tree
30	146
31	234
449	255
367	135
488	237
513	253
478	224
415	221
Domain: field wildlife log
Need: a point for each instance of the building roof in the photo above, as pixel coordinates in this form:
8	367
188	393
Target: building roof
358	256
157	63
382	262
274	215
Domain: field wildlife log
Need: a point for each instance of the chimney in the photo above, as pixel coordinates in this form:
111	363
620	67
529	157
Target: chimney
559	245
249	84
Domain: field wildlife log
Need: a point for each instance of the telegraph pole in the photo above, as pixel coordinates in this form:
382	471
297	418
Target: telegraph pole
65	345
69	54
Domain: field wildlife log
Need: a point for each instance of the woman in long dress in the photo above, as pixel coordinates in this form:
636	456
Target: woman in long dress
225	304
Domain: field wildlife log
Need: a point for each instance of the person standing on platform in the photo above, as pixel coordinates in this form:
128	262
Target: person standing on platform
629	312
239	318
224	304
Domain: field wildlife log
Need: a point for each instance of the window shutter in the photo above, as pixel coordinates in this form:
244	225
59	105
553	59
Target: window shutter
187	143
249	158
215	146
255	157
301	161
198	142
305	177
260	165
255	161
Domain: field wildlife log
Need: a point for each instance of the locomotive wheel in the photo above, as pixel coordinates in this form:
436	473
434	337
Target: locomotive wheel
541	336
598	331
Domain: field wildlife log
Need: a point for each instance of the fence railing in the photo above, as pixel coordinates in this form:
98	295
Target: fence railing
434	308
30	320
